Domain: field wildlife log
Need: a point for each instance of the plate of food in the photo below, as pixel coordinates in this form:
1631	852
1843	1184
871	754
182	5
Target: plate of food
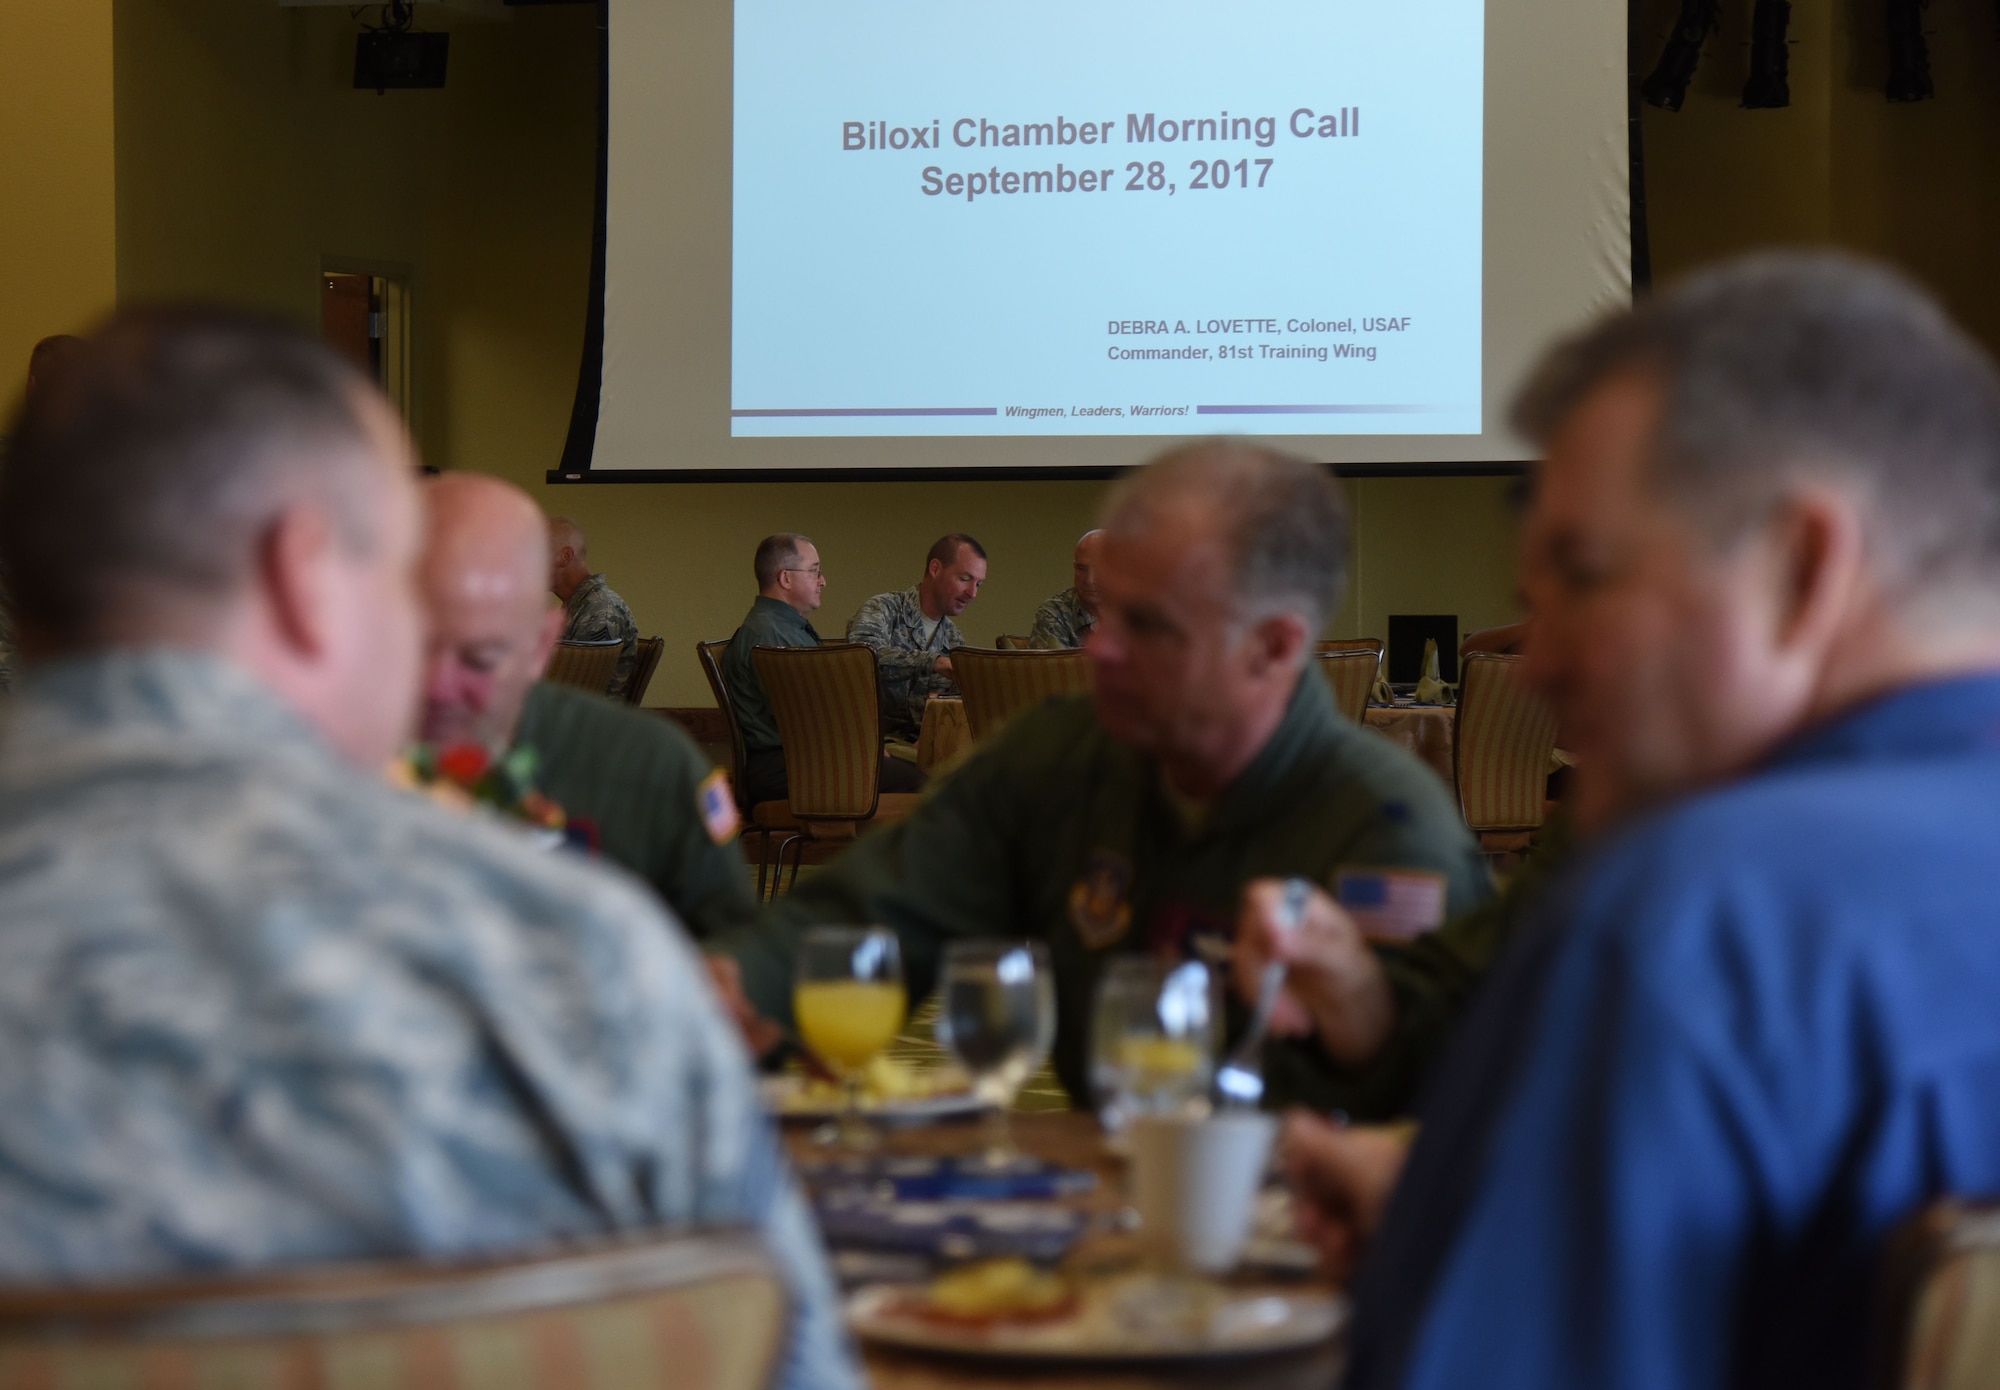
1010	1310
892	1090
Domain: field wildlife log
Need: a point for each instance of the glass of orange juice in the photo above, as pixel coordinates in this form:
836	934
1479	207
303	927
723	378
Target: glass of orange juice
848	1000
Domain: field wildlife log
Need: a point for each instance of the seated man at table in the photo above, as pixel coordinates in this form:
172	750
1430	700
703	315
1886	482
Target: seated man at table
259	1008
1209	755
1753	1027
913	634
790	584
642	788
1066	619
592	610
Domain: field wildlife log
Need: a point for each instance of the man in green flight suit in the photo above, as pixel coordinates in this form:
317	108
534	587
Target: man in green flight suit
1129	821
658	808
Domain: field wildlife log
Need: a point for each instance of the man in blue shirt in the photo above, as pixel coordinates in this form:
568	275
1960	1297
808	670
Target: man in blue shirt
1755	1026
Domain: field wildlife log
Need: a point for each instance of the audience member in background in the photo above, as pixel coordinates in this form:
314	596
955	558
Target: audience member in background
45	362
1754	1026
1066	619
656	805
913	633
789	585
1129	821
257	1007
592	610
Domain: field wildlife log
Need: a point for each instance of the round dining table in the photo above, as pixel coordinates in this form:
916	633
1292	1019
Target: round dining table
1423	729
1072	1139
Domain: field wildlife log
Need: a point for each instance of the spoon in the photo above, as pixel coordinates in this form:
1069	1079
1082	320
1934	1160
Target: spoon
1240	1078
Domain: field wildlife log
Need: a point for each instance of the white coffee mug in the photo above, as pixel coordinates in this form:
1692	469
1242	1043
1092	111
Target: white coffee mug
1195	1182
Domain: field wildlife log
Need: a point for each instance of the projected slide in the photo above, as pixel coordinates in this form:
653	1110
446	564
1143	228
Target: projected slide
1107	217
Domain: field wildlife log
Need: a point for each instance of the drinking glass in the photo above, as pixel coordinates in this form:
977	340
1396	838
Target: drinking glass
1154	1035
997	1015
849	1000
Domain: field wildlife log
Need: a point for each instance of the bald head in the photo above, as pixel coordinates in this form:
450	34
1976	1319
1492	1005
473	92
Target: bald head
491	627
1085	569
568	557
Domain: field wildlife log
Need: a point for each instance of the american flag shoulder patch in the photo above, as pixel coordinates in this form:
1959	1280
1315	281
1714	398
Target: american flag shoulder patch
717	804
1391	904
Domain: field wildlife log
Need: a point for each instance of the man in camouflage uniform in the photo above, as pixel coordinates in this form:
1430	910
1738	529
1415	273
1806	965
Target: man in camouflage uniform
1066	619
257	1007
592	610
655	803
913	633
1208	755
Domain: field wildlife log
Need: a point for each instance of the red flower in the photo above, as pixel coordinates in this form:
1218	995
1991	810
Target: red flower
464	763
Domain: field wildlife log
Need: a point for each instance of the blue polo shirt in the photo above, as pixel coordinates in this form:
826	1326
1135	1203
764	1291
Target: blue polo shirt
1744	1038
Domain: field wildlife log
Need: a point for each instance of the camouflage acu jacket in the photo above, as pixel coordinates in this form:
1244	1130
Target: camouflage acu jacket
597	614
893	624
259	1008
1061	622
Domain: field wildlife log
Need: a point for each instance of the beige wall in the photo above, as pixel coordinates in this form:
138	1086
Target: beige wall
56	176
243	158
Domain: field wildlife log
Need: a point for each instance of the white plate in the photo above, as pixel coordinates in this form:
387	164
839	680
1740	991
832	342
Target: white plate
788	1099
1240	1323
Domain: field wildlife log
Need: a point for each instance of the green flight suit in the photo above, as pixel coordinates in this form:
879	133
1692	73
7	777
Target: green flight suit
1053	831
1433	979
639	779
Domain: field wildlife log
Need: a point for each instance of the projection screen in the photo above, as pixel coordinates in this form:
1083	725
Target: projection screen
883	235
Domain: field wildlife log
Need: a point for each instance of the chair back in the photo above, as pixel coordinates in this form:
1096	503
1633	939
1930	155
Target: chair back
1502	739
709	654
1939	1319
827	705
643	666
585	665
1351	671
1008	642
997	685
1350	644
705	1312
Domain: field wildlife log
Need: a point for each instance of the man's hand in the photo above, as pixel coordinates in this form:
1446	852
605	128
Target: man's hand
1334	985
942	666
1341	1180
760	1034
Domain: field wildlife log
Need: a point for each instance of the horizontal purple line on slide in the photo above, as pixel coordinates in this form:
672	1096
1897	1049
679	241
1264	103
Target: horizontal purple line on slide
1319	409
863	414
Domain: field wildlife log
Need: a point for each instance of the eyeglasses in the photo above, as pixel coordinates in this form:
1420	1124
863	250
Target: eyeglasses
815	572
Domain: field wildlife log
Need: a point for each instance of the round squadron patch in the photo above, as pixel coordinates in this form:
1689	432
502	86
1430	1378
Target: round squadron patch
1098	906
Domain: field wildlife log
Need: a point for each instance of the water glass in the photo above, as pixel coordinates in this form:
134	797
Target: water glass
997	1016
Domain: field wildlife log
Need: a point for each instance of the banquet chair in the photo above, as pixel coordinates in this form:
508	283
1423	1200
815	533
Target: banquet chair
585	665
1502	740
1351	671
694	1312
1938	1320
764	819
997	685
647	662
826	701
1008	642
1350	644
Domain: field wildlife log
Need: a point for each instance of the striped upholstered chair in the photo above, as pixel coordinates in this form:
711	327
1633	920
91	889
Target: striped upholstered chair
643	667
1938	1321
1503	738
585	665
997	685
1350	666
826	701
704	1312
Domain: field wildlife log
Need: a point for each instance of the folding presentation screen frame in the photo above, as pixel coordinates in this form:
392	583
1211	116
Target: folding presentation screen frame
888	238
